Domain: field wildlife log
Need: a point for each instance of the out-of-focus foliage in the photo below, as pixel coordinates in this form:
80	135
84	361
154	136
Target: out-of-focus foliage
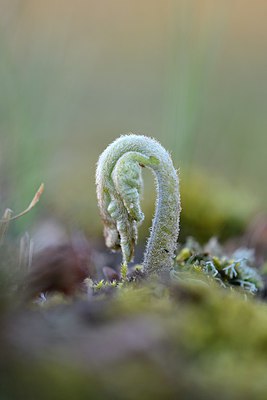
211	208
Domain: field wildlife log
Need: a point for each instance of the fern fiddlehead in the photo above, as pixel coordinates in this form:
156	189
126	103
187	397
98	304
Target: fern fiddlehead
119	182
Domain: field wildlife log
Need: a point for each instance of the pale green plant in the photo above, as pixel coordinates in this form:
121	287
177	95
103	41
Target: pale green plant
119	184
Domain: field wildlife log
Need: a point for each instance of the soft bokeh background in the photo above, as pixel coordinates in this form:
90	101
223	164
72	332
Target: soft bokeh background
76	74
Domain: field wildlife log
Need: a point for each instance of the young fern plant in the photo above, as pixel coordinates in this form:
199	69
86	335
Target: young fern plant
119	183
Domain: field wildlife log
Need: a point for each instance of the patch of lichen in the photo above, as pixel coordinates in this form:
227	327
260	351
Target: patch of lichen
229	270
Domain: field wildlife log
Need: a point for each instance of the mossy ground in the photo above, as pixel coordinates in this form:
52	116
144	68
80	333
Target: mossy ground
142	340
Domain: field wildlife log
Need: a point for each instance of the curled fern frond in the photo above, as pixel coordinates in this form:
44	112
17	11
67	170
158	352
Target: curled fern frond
119	183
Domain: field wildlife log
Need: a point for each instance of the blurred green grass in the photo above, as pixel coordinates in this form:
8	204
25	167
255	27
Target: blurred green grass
75	76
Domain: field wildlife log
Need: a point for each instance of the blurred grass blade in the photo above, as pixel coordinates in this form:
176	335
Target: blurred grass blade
6	218
4	222
26	252
32	203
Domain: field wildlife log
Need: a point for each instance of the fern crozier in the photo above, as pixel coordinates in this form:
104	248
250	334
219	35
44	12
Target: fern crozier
119	183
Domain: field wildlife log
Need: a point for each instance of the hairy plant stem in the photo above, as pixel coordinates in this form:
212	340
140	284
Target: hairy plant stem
119	183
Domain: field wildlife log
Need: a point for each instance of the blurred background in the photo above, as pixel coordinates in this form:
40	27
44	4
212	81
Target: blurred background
76	75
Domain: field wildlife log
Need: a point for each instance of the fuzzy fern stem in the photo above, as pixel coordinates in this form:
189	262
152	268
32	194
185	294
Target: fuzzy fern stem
119	183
